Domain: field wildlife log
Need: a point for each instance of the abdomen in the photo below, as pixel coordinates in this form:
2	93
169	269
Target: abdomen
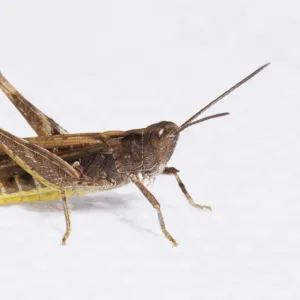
24	188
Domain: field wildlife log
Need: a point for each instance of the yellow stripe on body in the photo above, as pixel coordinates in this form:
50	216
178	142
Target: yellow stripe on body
43	194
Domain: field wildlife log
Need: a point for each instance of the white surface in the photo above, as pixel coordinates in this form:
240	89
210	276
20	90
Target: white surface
104	65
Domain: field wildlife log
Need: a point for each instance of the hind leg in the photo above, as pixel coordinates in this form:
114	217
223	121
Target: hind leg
48	169
41	123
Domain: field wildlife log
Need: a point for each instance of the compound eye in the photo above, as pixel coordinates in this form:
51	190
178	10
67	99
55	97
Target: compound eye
160	132
156	138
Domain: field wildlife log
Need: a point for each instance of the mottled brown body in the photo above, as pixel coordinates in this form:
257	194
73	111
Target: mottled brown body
57	164
113	155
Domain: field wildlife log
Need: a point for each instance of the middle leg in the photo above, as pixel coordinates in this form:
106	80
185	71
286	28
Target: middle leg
156	205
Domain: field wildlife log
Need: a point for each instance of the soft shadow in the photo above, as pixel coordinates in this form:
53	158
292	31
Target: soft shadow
131	223
103	201
100	201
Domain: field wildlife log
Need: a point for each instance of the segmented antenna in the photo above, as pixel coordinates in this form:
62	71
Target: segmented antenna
224	95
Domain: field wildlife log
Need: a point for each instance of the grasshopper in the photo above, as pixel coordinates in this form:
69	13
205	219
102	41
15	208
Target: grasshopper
56	164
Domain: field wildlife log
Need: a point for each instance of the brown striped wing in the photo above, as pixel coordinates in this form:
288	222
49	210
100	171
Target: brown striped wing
69	147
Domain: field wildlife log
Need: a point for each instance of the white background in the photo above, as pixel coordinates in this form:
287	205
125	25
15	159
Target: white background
104	65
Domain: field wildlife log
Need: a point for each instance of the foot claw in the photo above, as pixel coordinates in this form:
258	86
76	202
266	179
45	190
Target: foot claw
175	244
203	207
64	240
